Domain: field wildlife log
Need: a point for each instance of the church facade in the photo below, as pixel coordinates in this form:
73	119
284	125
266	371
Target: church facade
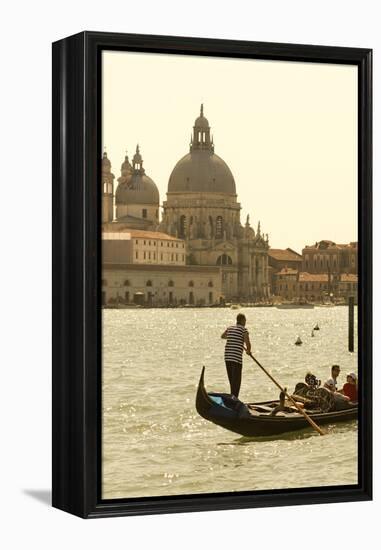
202	209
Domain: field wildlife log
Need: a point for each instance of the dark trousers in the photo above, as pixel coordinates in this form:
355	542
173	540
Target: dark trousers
234	371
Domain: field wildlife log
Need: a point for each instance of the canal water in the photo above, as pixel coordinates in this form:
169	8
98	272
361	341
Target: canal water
155	443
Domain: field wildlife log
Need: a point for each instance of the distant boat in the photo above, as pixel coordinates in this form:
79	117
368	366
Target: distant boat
295	305
298	341
316	327
235	306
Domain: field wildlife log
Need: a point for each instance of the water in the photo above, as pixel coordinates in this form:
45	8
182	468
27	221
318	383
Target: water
155	443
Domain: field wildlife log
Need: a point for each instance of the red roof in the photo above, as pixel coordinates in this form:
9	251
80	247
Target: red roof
348	278
141	234
285	255
313	277
287	271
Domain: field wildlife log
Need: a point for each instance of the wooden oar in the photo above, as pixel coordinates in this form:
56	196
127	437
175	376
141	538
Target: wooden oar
300	409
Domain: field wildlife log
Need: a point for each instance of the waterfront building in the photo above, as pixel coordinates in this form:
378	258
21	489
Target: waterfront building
142	247
202	208
149	268
160	285
293	285
280	259
328	257
286	283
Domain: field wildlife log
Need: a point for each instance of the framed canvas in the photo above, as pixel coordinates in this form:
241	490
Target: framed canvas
212	297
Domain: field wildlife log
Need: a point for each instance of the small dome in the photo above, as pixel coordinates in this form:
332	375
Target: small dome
201	122
137	188
140	189
202	171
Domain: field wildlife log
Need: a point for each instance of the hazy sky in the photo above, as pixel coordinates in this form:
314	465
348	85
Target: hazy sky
288	132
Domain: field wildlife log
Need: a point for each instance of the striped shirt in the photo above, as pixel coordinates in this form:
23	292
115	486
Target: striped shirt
234	343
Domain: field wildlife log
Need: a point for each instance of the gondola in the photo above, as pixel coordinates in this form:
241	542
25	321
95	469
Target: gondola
258	419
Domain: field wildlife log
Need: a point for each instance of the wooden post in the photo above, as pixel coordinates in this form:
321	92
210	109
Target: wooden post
351	309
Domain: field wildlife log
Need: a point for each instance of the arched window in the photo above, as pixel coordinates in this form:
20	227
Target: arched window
126	283
210	284
183	226
224	259
219	227
104	282
171	283
149	283
191	283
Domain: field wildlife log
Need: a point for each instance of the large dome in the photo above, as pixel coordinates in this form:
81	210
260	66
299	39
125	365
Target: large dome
139	189
201	171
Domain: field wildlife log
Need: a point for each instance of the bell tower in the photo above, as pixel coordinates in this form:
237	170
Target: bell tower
107	190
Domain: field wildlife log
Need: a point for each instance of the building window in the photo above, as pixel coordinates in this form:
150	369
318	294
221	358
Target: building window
219	227
144	242
161	244
149	283
154	255
161	256
149	242
136	255
144	255
210	297
126	297
149	255
171	283
126	283
210	284
224	259
144	213
136	242
176	257
191	298
183	226
191	283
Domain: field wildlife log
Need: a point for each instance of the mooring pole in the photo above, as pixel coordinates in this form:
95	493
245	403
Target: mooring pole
351	312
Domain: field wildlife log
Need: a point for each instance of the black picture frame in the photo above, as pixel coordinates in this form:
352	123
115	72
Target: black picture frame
76	272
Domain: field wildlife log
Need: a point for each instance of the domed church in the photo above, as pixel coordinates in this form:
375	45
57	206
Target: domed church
202	208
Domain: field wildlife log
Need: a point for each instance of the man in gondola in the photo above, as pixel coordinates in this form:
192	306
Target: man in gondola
236	337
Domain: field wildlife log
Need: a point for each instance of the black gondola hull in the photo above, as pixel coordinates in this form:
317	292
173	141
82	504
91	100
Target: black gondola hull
262	425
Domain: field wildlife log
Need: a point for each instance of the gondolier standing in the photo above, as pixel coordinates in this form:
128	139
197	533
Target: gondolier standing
236	336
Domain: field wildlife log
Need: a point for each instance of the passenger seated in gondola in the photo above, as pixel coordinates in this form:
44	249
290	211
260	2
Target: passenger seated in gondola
310	383
335	371
350	387
341	401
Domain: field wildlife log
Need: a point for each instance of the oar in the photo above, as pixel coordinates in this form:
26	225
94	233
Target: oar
300	409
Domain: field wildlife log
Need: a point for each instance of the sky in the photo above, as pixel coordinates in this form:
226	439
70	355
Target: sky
287	130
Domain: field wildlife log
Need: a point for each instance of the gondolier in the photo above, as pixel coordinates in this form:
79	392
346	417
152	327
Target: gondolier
237	335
